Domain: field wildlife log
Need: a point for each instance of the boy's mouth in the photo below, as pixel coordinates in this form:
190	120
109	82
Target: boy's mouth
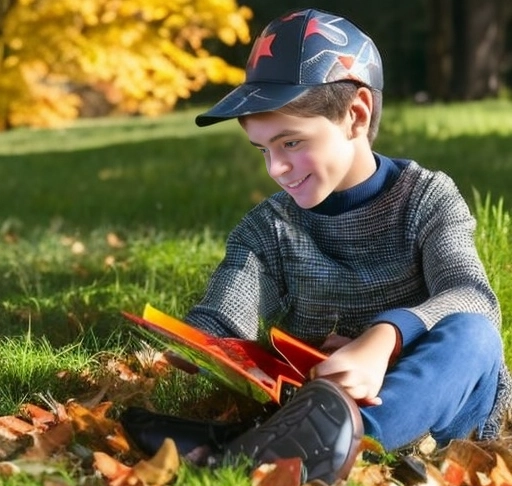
296	184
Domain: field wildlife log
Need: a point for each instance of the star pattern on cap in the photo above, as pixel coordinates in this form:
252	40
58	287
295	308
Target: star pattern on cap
261	48
312	28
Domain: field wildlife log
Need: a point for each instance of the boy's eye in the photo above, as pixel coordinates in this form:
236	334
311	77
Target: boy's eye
291	144
263	150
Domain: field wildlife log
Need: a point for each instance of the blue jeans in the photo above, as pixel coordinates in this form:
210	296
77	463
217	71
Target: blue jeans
444	384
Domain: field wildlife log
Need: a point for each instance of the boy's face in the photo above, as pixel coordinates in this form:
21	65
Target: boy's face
310	157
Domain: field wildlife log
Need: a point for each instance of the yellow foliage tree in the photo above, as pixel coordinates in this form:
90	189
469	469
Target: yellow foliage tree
141	55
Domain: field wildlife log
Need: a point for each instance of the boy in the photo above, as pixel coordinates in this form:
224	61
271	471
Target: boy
369	257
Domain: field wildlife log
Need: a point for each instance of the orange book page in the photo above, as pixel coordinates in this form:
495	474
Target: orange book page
240	364
298	354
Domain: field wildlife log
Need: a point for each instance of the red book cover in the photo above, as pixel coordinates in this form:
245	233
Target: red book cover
243	365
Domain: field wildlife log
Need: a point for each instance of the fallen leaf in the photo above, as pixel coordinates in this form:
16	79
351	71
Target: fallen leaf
370	475
57	408
124	372
260	472
162	467
435	478
92	420
282	472
483	479
500	474
48	442
12	427
103	433
151	359
10	448
157	471
110	468
97	398
463	459
453	473
39	417
369	444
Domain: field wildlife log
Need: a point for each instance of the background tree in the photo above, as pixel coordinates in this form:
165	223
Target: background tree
134	56
467	52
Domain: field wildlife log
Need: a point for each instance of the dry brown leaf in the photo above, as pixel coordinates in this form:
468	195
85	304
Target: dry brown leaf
157	471
110	468
57	408
103	433
500	474
282	472
453	473
10	448
39	417
117	440
97	398
369	444
434	475
46	443
8	469
152	360
122	370
501	448
370	474
463	459
90	420
12	427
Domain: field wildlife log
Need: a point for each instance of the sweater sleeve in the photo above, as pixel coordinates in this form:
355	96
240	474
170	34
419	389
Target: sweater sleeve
453	272
242	290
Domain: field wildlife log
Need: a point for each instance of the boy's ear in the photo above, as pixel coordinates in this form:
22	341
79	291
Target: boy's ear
360	112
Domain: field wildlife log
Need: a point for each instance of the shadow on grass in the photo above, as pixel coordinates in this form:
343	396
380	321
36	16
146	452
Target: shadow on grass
187	184
180	184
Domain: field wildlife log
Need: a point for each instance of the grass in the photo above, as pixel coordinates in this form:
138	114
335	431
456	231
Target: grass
107	215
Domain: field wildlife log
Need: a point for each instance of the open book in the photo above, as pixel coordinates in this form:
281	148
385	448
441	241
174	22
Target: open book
242	365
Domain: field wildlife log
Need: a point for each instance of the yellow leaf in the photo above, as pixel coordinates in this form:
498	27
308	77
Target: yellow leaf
161	468
500	474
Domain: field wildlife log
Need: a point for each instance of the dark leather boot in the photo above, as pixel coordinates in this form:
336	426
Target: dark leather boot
321	425
147	430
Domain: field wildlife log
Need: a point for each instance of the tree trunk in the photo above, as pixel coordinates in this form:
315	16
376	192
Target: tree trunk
439	49
466	48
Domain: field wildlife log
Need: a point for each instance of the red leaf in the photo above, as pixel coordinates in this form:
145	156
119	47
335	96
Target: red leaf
283	472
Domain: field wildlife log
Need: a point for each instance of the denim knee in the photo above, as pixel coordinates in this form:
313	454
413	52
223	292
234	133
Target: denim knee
472	335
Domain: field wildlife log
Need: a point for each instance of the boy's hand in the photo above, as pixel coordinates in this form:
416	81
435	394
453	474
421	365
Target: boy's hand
360	365
334	342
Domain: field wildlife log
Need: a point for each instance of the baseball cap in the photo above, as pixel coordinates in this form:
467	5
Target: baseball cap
295	52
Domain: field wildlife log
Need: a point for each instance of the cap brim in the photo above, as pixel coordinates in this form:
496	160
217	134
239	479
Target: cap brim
250	98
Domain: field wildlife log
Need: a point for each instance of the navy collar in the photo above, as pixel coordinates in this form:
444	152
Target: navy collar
342	201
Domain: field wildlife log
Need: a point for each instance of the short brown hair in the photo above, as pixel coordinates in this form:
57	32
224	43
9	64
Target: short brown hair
332	101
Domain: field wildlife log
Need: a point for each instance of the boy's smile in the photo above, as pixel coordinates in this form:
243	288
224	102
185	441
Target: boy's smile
310	157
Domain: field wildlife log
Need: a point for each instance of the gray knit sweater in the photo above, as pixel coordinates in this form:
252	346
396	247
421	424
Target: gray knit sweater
406	256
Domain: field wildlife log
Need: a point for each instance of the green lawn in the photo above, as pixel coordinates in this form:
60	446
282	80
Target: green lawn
110	214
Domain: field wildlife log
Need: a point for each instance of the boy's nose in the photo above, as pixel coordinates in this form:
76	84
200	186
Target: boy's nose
278	166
